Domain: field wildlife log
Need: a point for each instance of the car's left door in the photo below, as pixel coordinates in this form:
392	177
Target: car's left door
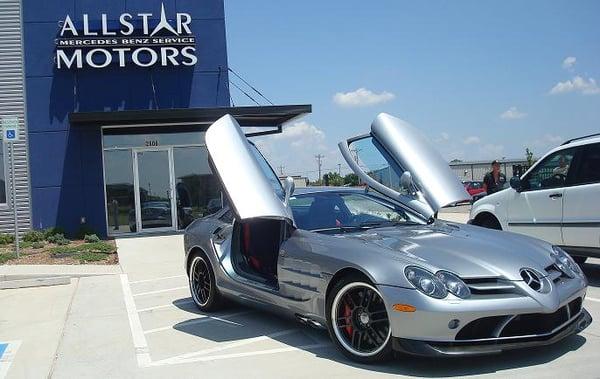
537	209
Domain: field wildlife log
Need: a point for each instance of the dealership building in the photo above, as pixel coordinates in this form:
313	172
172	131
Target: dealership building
112	99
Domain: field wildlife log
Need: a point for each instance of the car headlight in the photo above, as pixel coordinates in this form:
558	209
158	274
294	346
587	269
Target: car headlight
426	282
565	263
454	284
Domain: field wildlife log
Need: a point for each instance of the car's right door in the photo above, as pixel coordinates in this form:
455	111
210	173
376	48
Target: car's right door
537	209
581	209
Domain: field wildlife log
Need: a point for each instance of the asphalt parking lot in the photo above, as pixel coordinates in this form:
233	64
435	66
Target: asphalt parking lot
142	323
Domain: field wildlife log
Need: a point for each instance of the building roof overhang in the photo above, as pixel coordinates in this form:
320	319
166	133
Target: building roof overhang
271	116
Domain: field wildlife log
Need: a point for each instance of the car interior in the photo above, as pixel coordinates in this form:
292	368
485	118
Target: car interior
255	248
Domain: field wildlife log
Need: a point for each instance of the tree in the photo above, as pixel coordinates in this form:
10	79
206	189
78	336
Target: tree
529	157
351	179
333	179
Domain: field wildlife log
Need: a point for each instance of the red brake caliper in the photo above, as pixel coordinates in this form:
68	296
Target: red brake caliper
348	319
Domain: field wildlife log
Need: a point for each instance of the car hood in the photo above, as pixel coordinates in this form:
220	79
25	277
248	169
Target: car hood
468	251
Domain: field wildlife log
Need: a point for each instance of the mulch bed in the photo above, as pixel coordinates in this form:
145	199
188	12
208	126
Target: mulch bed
77	252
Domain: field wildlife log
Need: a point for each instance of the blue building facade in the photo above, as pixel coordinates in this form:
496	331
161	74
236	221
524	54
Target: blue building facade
82	56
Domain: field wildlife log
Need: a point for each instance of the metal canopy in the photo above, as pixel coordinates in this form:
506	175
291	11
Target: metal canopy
259	116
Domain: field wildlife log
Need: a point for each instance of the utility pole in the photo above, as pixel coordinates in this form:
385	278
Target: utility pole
356	151
319	157
339	169
281	167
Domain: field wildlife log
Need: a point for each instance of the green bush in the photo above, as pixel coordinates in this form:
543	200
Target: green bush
58	239
91	238
6	238
34	236
38	245
83	231
54	231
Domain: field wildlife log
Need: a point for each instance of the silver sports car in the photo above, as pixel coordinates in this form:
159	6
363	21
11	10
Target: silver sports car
372	264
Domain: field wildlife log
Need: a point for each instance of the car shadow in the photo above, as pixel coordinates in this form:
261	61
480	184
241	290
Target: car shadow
244	323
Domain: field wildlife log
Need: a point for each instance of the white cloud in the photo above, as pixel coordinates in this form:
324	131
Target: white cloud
302	134
472	140
546	142
445	136
577	84
512	113
569	62
362	97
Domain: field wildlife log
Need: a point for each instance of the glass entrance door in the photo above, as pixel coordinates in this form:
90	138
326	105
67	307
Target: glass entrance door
154	195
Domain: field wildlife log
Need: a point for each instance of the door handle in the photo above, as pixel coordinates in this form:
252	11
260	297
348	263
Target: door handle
555	195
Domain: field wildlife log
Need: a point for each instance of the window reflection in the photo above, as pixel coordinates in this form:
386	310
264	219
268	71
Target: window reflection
120	205
198	191
376	163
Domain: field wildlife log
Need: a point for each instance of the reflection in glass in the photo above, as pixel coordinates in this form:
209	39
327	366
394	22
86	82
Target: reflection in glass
155	189
377	163
120	205
198	192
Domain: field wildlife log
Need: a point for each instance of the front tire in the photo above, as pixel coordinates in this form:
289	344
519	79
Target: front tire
357	321
202	283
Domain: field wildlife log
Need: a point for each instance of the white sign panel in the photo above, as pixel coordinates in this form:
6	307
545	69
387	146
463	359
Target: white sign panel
10	129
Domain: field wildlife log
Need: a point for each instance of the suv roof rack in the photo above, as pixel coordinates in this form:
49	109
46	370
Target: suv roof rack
578	138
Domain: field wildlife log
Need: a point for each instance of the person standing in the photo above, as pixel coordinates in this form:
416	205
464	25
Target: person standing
494	180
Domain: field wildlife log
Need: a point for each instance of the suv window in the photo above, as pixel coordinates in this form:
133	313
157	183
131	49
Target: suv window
589	168
552	172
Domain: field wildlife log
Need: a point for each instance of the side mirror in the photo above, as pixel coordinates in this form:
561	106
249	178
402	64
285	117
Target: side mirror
515	183
288	186
406	181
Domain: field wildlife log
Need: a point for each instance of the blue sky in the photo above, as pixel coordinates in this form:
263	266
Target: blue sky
482	79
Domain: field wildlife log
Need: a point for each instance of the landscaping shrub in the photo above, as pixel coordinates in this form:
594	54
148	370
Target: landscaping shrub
83	231
91	238
5	257
5	238
87	252
58	239
54	231
38	245
34	236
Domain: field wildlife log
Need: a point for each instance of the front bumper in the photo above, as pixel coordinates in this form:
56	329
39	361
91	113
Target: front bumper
458	348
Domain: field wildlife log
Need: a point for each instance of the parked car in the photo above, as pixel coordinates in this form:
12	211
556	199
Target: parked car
557	200
372	265
475	189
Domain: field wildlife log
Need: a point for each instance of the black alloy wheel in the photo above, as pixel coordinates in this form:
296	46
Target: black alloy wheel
359	323
202	284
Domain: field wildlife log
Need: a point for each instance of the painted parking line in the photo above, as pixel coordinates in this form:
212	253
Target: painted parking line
139	339
170	305
8	350
202	319
156	279
159	291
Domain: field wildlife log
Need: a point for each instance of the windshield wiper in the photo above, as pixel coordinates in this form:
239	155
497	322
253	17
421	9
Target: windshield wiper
343	229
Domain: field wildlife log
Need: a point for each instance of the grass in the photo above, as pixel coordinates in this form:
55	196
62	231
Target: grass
5	257
87	252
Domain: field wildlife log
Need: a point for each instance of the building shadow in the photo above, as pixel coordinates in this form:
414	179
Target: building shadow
244	323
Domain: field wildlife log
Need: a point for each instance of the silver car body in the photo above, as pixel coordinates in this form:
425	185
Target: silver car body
309	263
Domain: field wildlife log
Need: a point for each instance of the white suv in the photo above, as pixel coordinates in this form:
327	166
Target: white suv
557	200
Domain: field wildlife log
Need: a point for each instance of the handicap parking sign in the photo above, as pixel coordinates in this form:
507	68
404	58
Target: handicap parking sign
10	129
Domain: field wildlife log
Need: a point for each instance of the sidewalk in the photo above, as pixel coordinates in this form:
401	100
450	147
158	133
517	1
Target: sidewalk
51	270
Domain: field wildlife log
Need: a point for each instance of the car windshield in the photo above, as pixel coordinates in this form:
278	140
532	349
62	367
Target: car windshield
344	212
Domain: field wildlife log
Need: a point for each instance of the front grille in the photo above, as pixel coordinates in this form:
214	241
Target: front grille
519	325
554	273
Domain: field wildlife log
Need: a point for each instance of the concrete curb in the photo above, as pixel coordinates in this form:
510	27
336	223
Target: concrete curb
10	283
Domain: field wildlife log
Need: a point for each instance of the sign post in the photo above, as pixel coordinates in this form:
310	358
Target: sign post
10	134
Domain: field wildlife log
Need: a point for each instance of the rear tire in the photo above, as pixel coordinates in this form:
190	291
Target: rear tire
202	283
357	321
